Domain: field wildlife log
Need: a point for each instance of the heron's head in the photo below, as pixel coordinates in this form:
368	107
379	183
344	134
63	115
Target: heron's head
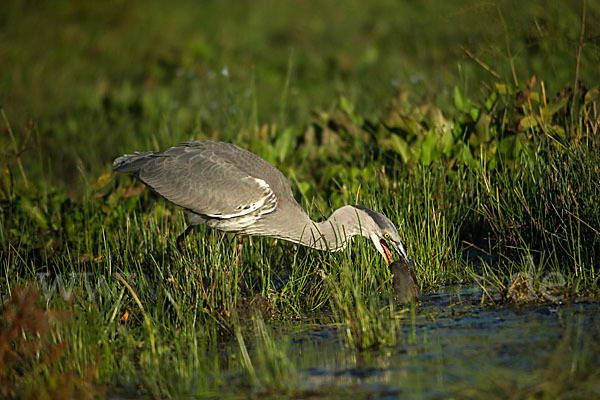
382	232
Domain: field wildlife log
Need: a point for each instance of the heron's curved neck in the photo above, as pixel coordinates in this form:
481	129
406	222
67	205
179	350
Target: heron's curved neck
332	234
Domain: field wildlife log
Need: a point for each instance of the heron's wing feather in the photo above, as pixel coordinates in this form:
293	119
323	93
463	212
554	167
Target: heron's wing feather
201	181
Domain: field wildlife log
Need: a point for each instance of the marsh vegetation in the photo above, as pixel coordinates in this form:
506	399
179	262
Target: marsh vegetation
474	127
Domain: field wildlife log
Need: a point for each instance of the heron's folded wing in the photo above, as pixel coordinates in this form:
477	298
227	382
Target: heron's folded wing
204	183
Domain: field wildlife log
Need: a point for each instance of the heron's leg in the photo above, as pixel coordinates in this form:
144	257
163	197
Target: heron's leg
238	257
181	239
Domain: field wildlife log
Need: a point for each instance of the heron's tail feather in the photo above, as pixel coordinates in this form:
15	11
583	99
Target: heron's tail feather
131	162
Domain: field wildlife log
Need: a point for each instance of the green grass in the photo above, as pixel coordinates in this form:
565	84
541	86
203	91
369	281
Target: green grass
388	105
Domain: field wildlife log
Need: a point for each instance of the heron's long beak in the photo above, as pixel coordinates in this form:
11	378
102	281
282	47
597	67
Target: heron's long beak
397	246
399	249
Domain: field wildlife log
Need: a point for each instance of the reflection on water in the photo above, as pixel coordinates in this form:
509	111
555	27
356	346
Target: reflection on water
453	346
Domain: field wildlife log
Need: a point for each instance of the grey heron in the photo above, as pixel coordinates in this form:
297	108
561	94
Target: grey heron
233	190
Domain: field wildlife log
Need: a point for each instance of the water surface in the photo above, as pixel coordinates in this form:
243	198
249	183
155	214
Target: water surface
452	345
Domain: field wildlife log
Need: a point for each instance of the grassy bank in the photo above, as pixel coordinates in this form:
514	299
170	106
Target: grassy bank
493	182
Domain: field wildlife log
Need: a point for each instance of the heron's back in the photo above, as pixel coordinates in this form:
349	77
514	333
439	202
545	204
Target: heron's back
209	178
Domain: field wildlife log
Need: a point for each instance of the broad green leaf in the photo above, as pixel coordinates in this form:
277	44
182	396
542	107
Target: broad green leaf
509	147
303	187
461	102
465	156
34	212
528	122
502	88
400	147
482	129
447	141
284	142
491	100
474	112
347	107
553	108
429	148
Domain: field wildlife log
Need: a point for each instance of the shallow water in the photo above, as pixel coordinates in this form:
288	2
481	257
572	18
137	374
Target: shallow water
456	347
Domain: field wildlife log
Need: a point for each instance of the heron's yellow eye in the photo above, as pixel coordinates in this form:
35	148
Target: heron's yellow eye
386	235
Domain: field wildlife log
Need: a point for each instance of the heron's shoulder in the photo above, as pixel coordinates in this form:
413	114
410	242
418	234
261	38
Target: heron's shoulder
211	146
231	153
241	159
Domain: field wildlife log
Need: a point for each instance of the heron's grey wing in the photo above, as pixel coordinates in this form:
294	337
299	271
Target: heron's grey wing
200	180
